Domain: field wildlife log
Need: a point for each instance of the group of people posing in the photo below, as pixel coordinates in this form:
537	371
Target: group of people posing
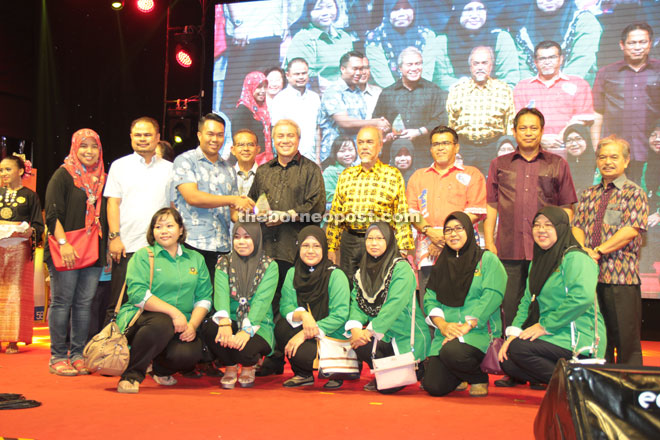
560	282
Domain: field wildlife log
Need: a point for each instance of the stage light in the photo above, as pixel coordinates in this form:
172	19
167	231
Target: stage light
145	6
177	139
183	57
117	5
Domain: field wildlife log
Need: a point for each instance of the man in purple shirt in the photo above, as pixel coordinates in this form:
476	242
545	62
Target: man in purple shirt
627	96
518	185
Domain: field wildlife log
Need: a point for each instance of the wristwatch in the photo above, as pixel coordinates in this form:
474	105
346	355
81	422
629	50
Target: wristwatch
113	235
597	249
62	241
425	228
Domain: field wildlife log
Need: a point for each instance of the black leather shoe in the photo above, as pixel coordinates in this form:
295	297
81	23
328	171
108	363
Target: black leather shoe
209	369
299	381
506	382
537	386
268	369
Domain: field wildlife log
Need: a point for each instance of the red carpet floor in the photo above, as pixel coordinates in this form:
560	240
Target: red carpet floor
88	407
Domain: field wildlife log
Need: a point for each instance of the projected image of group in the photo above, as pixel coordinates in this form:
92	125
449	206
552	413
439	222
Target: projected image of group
407	66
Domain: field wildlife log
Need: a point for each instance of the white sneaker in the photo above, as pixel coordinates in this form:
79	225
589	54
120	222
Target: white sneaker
167	381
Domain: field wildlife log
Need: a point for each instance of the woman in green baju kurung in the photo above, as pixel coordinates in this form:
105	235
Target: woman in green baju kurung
241	331
314	304
557	315
462	301
382	300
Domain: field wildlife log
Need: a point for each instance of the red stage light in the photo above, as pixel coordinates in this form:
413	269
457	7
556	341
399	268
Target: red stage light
145	5
183	58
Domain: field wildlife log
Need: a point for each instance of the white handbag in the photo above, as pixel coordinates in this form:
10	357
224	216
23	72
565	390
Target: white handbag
337	359
398	370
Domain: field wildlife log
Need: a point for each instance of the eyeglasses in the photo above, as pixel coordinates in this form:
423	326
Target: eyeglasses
550	58
449	231
545	227
445	144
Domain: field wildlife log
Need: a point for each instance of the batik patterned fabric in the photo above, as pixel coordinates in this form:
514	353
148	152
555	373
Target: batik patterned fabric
365	196
628	206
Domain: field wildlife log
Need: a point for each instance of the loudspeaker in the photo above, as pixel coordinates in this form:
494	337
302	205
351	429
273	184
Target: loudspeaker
585	401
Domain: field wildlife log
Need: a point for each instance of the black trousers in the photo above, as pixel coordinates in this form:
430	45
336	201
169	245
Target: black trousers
383	349
276	360
99	308
517	272
351	249
302	364
456	362
152	338
621	306
533	361
477	155
116	283
255	349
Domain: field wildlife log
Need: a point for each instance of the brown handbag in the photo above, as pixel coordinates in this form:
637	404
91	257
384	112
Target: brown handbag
107	353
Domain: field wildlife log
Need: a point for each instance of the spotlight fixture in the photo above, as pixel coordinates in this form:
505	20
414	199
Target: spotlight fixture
145	6
117	5
183	57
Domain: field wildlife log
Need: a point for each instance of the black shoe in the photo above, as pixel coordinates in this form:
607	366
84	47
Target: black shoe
209	369
191	374
507	382
538	386
371	386
333	384
268	369
299	381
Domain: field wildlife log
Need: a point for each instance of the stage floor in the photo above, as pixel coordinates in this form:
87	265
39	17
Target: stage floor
88	407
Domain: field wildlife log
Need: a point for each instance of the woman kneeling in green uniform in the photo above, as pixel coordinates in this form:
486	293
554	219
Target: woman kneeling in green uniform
557	314
241	331
382	300
462	300
174	305
315	300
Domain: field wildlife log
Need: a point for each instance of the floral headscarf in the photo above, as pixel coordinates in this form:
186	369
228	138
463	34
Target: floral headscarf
259	111
91	180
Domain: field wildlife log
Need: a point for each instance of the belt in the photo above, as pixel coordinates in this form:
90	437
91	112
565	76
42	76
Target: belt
356	232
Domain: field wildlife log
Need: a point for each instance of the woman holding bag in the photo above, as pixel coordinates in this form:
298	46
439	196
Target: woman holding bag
557	315
462	300
173	304
241	331
382	299
315	302
74	202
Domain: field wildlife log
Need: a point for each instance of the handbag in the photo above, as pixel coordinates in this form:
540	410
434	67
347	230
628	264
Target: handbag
337	360
86	246
490	363
398	370
107	353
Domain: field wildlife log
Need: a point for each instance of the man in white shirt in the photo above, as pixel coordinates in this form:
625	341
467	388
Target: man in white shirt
301	105
245	150
370	92
136	188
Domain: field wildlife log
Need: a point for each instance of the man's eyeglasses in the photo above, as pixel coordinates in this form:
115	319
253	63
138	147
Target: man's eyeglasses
550	58
445	144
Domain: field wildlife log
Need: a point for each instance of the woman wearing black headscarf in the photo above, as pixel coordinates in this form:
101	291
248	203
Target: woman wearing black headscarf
470	27
462	300
577	32
580	155
315	300
402	28
241	331
381	300
557	314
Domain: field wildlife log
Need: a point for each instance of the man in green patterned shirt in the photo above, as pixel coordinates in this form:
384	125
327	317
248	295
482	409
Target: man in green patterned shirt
366	193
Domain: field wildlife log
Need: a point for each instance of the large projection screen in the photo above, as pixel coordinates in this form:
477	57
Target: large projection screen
265	35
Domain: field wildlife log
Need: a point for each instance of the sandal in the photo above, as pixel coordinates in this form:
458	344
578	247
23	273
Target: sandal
63	368
80	367
12	348
246	378
228	381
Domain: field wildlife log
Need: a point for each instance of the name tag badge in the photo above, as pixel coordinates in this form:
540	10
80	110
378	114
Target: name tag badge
569	88
463	178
